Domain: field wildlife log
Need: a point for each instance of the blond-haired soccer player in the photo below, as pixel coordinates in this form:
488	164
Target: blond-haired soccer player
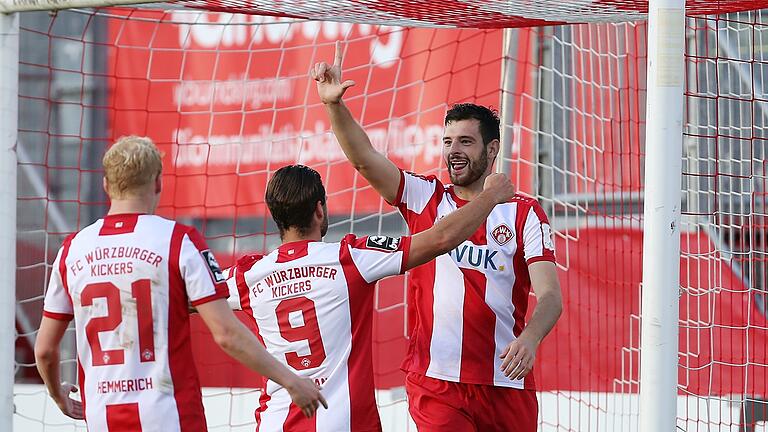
127	280
471	352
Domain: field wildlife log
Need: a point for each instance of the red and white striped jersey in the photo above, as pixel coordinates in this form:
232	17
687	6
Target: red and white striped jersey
466	306
127	280
312	303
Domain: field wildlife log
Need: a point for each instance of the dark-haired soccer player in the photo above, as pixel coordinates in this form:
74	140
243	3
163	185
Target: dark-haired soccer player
470	353
313	301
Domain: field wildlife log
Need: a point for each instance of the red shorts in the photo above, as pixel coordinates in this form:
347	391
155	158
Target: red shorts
444	406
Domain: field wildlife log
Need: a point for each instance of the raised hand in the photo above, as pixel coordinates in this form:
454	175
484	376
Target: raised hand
330	87
499	185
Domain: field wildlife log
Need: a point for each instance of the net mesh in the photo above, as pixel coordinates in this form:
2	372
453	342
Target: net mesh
227	98
588	131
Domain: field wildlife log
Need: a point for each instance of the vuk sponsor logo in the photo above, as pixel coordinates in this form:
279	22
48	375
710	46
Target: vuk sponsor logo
474	256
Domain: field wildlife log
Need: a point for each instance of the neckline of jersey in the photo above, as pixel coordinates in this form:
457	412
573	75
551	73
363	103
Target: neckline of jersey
294	250
296	243
456	198
122	215
461	201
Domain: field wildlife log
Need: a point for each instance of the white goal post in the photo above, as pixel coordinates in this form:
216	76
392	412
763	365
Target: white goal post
663	179
9	79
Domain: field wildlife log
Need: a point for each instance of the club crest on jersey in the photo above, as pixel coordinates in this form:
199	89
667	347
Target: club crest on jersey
147	355
213	266
383	243
502	234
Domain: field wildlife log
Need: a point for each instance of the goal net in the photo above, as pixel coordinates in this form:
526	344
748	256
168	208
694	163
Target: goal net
228	99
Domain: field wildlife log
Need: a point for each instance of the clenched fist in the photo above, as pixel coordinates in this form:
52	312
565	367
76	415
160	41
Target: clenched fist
500	187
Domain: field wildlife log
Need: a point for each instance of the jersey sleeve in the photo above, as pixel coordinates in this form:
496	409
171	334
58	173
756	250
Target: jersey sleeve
376	257
538	243
234	294
58	303
202	275
415	193
238	289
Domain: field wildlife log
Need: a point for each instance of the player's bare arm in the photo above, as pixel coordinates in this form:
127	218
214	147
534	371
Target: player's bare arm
519	354
47	360
380	172
240	343
453	229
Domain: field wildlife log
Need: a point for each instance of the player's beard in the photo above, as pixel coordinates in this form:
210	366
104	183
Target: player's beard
324	224
475	170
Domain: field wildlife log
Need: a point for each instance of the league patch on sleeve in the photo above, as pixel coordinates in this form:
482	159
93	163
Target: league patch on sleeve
383	243
213	266
546	234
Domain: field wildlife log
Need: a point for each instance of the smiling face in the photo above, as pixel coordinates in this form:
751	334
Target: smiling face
464	152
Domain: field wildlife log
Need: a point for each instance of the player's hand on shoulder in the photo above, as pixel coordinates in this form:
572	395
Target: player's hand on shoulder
517	358
70	407
330	87
500	187
306	395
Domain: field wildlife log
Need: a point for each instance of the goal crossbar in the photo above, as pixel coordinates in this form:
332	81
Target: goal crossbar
464	14
10	6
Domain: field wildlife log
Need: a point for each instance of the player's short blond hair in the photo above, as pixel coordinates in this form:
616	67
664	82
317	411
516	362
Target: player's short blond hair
131	163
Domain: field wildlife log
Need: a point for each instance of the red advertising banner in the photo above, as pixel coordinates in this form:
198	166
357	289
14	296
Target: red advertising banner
229	100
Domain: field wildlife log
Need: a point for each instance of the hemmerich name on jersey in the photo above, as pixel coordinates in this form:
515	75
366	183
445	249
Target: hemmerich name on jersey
284	283
124	385
474	256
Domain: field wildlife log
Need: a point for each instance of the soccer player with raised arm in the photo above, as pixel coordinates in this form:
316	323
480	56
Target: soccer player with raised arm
128	280
470	354
312	302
